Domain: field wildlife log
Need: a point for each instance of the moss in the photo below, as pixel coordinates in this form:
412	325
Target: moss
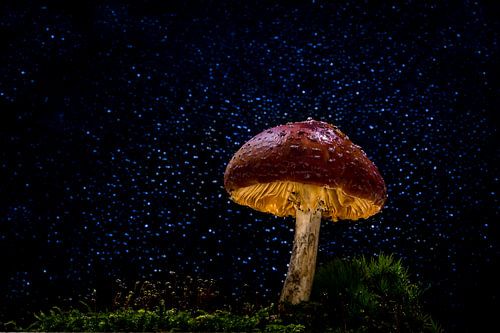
158	319
357	295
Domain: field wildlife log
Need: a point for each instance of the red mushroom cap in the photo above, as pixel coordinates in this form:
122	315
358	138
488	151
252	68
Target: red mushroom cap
273	171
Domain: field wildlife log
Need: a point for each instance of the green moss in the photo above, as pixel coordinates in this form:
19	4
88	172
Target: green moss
158	319
357	295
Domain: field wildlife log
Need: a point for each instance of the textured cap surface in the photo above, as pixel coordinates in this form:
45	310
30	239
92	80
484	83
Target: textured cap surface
273	171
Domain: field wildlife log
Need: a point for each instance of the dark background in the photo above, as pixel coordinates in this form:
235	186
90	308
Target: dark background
117	121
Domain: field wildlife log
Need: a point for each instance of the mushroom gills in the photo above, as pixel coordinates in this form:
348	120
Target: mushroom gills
280	198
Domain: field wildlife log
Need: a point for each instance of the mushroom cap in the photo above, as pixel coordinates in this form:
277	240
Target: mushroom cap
305	165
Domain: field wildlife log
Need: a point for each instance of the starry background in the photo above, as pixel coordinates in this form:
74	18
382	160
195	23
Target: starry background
117	121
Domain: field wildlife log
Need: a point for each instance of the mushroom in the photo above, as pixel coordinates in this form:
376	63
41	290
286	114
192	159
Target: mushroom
309	170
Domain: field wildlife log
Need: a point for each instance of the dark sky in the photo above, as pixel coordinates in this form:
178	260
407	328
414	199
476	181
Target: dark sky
117	122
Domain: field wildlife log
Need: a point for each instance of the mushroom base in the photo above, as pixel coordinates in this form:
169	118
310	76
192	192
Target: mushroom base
281	198
299	279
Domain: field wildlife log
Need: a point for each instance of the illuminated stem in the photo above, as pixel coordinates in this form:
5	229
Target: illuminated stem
299	279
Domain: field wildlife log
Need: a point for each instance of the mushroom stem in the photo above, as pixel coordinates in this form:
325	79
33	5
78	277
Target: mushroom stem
299	279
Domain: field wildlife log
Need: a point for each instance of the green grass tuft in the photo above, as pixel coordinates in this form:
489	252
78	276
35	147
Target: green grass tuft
374	295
